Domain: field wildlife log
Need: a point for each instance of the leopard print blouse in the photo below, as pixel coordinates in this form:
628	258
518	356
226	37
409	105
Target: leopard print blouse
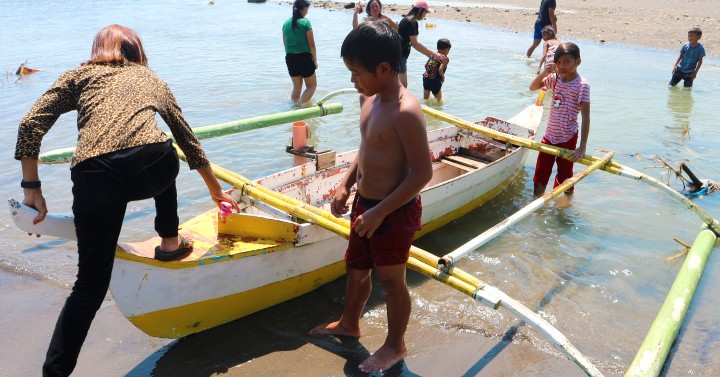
116	106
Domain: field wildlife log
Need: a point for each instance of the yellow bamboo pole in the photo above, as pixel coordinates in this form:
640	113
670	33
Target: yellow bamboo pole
419	260
450	258
612	167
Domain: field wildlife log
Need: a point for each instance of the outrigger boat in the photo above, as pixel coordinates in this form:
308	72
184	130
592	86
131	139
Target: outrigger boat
271	256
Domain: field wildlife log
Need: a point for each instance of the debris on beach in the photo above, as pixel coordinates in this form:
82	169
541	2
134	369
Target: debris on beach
23	69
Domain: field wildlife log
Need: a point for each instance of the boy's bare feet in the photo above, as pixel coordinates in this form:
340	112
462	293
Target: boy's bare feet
334	328
383	359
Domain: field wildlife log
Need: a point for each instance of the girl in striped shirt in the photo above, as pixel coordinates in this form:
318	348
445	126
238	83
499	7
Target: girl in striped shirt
570	97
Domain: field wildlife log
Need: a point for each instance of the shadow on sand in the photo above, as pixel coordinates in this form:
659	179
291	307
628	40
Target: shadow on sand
283	327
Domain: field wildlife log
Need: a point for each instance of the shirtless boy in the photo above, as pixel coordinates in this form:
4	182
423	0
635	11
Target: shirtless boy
392	166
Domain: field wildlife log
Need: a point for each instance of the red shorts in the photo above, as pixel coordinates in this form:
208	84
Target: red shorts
390	244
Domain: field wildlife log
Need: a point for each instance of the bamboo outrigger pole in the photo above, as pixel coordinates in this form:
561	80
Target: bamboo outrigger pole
420	261
651	356
450	258
63	155
612	167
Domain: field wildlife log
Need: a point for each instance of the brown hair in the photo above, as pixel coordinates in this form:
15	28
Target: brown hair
116	44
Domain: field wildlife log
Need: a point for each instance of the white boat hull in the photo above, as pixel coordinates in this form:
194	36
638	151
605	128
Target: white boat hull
263	257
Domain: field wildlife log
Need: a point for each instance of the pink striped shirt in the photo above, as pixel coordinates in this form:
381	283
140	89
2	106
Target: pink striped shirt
562	123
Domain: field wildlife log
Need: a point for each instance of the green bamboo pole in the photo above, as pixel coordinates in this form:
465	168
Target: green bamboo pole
612	167
64	155
650	358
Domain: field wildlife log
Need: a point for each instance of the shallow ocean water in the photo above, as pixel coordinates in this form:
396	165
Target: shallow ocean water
594	268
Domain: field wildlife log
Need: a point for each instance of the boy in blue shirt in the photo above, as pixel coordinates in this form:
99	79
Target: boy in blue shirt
434	75
688	63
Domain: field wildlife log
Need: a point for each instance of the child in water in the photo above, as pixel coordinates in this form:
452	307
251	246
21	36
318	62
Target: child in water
551	43
434	75
688	63
570	97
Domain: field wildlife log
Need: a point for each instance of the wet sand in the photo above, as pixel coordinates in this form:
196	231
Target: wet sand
660	24
272	342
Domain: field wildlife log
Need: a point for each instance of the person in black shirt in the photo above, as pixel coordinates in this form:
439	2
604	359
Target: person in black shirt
546	16
408	30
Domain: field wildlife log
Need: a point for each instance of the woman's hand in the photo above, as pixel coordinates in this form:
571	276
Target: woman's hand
216	193
440	57
35	199
222	196
358	7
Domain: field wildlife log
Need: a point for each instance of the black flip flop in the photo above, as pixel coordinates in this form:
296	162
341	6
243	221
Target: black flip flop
185	248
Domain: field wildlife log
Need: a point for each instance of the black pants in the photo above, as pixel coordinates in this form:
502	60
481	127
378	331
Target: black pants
102	187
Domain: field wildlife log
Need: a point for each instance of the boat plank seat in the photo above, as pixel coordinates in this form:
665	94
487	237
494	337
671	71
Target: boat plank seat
462	167
466	161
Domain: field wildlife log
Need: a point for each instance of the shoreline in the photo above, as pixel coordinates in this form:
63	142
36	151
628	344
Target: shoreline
644	23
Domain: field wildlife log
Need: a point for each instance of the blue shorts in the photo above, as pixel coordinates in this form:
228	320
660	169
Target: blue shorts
433	85
538	31
403	65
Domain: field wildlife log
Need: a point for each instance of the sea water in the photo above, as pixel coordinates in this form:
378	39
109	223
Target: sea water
592	265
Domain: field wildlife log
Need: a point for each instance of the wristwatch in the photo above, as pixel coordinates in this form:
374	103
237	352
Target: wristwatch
30	184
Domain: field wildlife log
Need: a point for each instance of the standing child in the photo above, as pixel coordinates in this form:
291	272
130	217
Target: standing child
688	63
434	75
571	95
392	166
549	47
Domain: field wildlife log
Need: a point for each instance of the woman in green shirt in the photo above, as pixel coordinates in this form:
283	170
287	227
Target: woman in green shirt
300	54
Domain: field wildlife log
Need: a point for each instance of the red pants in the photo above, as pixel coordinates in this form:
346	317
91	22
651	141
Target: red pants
545	162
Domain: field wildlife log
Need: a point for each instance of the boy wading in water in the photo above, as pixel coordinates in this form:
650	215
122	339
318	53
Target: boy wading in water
392	166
